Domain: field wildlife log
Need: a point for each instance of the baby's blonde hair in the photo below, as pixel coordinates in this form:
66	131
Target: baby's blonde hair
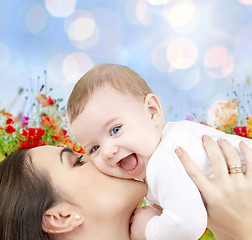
119	77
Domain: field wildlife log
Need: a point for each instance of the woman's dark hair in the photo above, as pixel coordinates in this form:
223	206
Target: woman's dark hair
25	194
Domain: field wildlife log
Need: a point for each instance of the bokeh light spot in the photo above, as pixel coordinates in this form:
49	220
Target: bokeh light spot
60	8
75	65
81	29
109	34
139	11
5	55
182	53
192	78
185	80
218	62
54	69
183	17
142	12
36	19
181	14
64	69
248	2
129	12
158	2
159	58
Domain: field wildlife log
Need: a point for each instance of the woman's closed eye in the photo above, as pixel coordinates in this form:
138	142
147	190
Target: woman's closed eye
79	161
115	130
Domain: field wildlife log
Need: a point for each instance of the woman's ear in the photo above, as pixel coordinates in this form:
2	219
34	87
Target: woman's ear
61	219
153	106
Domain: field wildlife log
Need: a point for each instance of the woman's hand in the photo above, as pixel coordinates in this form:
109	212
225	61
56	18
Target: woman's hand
228	195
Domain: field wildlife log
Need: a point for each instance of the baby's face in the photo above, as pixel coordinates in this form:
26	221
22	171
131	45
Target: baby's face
117	132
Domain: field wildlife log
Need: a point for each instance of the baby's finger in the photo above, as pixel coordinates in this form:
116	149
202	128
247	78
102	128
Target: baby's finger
247	151
215	155
194	172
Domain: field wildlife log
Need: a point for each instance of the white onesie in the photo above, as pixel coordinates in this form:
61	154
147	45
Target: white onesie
184	216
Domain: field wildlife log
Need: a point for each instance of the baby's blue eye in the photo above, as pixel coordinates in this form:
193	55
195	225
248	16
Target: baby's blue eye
95	148
115	130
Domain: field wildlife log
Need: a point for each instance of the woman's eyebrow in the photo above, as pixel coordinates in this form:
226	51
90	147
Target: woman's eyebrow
64	150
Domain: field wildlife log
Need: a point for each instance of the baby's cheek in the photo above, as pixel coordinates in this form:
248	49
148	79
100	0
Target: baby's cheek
100	165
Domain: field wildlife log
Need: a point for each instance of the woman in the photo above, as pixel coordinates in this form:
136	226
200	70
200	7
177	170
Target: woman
229	194
55	188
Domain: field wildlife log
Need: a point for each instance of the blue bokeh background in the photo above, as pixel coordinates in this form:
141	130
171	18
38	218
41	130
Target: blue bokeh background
188	51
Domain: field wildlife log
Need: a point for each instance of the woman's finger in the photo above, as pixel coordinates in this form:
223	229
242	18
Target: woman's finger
230	152
215	155
247	151
194	172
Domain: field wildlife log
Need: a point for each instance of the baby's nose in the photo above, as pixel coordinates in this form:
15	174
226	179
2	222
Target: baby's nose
109	152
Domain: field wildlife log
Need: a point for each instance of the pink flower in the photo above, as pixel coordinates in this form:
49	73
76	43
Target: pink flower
190	118
45	100
25	120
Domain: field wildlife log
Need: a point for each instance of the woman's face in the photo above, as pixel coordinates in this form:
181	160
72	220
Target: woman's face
83	185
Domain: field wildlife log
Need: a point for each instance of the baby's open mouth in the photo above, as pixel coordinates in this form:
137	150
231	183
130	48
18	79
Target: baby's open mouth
128	163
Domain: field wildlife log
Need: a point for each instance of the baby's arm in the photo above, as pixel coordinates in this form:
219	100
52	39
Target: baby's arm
184	215
139	220
166	226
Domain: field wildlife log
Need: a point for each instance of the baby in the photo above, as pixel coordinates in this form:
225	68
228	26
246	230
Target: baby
119	122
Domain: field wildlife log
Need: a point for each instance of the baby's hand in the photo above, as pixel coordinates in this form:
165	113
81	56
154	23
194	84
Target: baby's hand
139	220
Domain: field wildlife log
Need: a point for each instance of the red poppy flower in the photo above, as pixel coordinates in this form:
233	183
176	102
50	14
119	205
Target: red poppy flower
34	138
241	131
9	121
50	100
35	132
48	121
55	137
32	144
61	136
10	129
24	133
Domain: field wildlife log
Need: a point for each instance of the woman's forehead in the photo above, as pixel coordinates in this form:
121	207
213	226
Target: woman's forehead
45	149
44	154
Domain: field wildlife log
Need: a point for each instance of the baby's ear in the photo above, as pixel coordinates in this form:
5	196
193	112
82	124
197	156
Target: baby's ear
153	106
61	219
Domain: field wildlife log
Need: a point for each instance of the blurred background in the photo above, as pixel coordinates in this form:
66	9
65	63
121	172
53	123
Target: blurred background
192	53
